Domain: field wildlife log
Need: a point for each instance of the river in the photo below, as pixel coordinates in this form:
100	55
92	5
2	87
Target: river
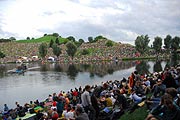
41	80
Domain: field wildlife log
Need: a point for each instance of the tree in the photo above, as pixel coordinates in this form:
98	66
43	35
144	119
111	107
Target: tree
28	38
141	43
157	44
55	34
56	50
174	46
81	41
2	55
57	41
51	43
90	39
45	34
167	42
99	37
12	38
71	38
43	50
71	49
109	43
175	43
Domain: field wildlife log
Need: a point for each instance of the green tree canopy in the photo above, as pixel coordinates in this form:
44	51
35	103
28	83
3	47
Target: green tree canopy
90	39
157	44
175	43
141	43
167	42
99	37
56	50
55	34
2	55
109	43
81	41
12	38
28	38
71	49
71	38
43	50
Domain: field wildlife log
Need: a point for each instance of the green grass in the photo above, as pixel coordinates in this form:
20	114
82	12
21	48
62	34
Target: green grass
138	58
42	39
139	114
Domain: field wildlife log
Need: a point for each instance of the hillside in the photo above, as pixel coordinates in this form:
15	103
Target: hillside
98	50
47	39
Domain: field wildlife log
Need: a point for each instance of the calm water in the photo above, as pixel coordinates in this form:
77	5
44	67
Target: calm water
41	80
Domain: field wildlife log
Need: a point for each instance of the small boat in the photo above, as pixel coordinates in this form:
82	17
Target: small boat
16	71
19	70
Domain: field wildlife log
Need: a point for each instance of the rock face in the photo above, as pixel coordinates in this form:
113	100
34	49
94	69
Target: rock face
99	51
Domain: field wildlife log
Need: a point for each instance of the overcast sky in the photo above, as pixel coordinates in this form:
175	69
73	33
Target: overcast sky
118	20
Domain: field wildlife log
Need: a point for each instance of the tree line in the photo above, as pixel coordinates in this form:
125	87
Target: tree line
170	44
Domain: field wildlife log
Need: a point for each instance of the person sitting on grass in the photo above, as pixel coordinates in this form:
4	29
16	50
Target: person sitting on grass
153	102
166	110
158	88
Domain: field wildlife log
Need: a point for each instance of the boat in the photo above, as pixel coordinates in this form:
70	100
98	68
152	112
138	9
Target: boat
21	70
16	71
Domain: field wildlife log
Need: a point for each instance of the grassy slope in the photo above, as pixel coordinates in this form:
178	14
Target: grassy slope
42	39
48	38
139	114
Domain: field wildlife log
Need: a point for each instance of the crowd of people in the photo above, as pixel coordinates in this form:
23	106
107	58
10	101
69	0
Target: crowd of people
15	51
159	91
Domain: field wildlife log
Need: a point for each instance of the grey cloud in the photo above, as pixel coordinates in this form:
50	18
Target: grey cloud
154	17
150	18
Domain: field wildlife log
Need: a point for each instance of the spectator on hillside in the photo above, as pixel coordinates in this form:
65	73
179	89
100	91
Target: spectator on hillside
158	88
169	81
60	106
87	104
97	91
166	110
6	109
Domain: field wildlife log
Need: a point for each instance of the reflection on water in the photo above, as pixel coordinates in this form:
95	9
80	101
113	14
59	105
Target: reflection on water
42	80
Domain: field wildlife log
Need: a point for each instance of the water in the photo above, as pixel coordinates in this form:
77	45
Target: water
42	80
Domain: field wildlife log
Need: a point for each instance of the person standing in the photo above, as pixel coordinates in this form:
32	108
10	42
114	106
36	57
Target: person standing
87	104
80	114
